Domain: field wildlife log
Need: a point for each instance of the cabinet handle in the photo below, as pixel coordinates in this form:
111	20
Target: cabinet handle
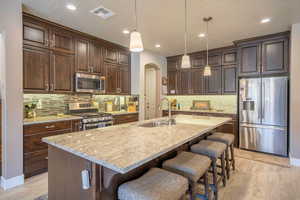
46	42
47	87
52	87
92	69
51	126
46	158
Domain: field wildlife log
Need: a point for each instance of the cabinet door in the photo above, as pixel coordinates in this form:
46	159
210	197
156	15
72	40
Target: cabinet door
111	55
213	83
229	79
214	59
36	63
198	61
249	59
62	40
112	79
62	72
229	58
82	55
185	82
173	64
124	83
35	34
275	56
96	59
172	82
197	82
124	57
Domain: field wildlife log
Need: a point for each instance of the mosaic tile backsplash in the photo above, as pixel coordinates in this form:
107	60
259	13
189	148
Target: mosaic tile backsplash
217	102
53	104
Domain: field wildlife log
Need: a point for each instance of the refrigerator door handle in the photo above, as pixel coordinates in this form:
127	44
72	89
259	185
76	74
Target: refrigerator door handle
263	100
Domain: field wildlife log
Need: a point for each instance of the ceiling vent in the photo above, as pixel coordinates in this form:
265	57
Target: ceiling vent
103	12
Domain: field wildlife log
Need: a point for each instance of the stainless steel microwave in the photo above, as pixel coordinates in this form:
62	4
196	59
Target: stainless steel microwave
89	83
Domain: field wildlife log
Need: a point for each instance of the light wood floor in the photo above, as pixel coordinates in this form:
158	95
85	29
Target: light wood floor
257	177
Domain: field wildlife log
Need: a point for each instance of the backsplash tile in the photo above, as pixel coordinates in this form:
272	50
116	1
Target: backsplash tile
218	102
53	104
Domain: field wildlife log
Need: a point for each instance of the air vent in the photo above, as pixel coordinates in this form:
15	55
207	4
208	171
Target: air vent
103	12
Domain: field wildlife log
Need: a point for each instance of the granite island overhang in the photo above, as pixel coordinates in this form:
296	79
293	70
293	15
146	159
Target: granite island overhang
116	154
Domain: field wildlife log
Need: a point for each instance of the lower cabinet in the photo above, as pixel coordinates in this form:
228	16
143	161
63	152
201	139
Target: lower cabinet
126	118
35	151
229	127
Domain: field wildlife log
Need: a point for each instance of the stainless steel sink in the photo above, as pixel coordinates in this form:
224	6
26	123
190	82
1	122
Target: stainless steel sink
158	123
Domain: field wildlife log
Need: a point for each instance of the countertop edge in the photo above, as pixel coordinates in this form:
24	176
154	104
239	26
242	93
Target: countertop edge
134	166
52	120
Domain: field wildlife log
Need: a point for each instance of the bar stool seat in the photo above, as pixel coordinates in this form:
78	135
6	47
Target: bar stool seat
190	165
222	137
156	184
209	148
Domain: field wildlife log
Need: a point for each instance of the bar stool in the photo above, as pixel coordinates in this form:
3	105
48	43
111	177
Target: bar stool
193	167
156	184
214	150
227	139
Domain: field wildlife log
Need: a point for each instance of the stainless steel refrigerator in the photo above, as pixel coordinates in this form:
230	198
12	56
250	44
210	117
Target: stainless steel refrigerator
264	114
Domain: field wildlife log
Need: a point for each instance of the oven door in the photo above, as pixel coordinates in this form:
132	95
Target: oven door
89	83
97	125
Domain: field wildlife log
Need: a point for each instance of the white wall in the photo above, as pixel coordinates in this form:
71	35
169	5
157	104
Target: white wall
11	93
295	96
138	74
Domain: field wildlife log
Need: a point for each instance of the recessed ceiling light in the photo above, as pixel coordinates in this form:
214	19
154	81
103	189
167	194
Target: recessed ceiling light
201	35
71	6
125	31
157	45
266	20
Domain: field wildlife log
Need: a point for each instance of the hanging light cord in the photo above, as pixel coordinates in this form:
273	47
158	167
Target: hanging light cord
135	15
207	42
185	34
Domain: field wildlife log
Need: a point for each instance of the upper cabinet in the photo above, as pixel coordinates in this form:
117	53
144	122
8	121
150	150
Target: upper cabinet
35	33
229	79
198	60
268	55
173	63
215	59
229	57
53	53
213	83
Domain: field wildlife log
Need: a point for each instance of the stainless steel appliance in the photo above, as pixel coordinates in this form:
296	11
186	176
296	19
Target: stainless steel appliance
91	117
263	114
89	83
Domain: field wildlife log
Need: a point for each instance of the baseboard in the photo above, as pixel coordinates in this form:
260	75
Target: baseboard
295	162
12	182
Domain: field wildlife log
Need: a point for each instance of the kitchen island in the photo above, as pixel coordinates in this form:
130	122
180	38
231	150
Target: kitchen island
114	155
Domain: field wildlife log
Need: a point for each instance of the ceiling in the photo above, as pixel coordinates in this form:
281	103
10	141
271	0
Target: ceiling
162	21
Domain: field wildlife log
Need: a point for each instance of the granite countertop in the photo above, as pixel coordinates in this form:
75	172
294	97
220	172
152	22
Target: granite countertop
207	111
125	147
47	119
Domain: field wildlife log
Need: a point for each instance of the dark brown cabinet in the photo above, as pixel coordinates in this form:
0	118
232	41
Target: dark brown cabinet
36	67
185	82
229	57
111	55
172	82
35	33
126	118
124	81
62	40
124	58
267	55
96	59
275	56
229	79
82	55
214	59
112	79
173	64
213	83
249	58
198	60
197	81
61	72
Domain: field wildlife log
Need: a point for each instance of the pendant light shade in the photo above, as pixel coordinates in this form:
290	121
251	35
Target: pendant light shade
207	68
185	63
136	43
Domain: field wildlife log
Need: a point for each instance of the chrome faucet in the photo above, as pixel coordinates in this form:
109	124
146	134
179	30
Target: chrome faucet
169	108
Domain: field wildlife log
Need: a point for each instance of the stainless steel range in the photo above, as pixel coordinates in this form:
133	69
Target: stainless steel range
91	117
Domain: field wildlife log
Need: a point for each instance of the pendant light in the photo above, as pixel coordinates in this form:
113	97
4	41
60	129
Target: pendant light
207	68
185	63
136	43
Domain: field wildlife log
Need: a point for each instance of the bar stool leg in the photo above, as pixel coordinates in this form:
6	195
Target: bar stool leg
206	185
215	178
227	162
223	169
232	156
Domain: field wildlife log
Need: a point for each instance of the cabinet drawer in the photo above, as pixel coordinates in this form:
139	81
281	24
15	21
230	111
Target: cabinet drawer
35	163
46	127
121	119
34	143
